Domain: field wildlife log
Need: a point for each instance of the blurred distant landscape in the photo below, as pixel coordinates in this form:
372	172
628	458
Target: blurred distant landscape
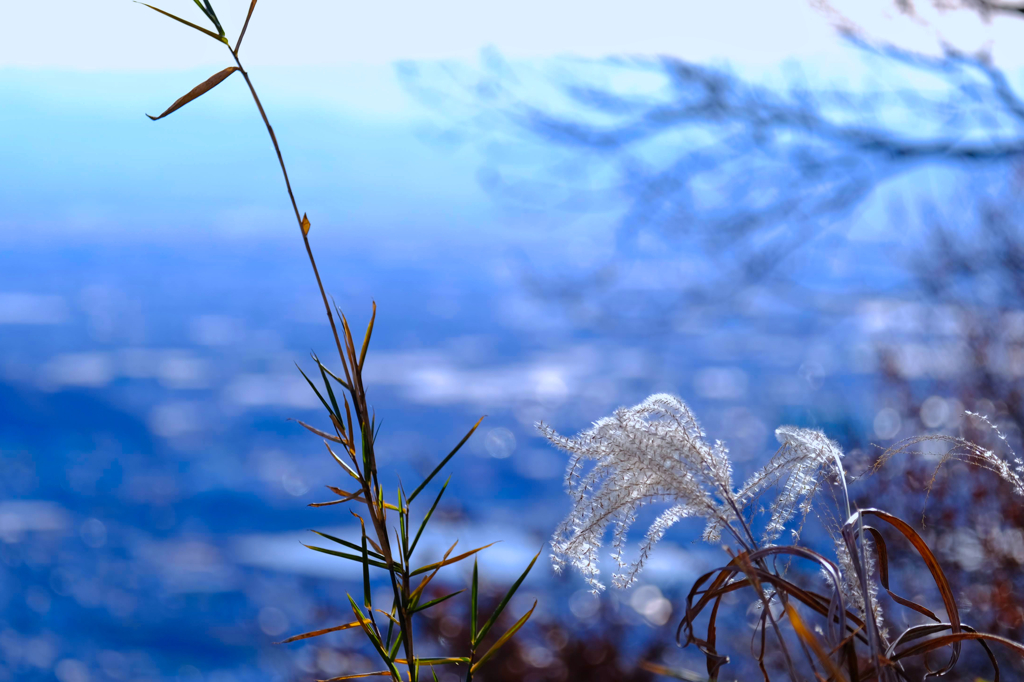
153	306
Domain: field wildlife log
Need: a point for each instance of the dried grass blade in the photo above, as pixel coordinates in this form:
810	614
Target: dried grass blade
934	567
334	376
196	92
963	636
343	493
919	631
322	434
350	351
238	43
883	572
366	339
333	502
453	560
415	595
346	467
317	633
377	673
714	660
808	638
712	592
664	671
389	616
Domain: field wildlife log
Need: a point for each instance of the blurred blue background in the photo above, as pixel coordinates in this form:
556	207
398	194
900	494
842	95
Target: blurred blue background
154	298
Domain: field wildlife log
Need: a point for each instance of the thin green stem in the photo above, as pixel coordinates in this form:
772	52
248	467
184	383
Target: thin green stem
370	484
291	196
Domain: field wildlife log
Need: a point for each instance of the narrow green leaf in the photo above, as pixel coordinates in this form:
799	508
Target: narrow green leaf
454	560
377	431
505	637
366	568
393	651
472	602
330	391
187	23
350	545
211	15
198	91
343	555
403	526
364	622
203	9
238	43
412	548
374	639
391	631
434	602
504	602
445	460
313	386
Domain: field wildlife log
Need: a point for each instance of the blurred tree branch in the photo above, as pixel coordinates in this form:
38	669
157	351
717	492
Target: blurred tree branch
699	159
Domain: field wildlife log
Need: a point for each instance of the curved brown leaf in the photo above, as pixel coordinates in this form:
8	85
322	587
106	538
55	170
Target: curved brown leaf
883	574
963	636
934	567
198	91
919	631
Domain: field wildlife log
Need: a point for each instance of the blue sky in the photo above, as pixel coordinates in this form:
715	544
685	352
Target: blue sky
81	161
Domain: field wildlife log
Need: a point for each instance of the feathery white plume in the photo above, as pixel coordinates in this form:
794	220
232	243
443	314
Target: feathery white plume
651	452
656	451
